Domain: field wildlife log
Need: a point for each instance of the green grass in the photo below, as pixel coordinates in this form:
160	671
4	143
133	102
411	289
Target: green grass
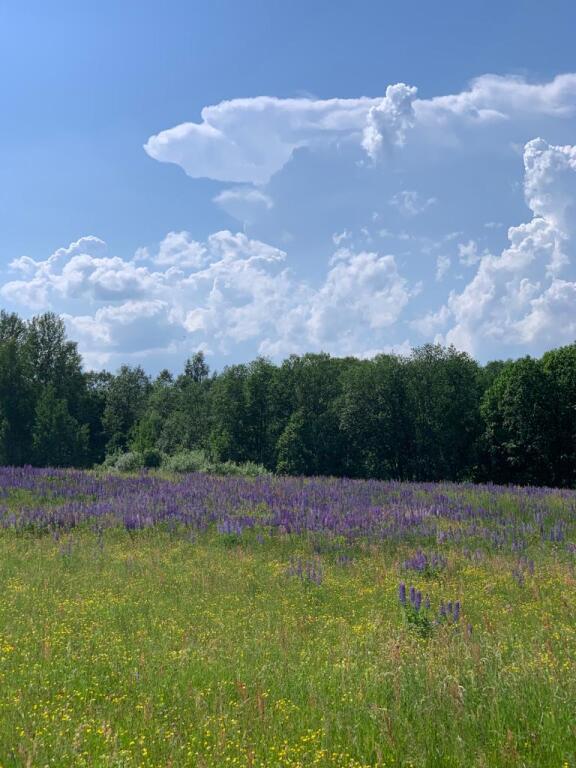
156	649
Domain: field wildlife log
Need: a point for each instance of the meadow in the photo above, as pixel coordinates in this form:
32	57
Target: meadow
283	623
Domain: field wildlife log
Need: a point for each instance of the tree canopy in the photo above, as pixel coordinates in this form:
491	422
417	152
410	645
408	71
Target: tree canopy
433	415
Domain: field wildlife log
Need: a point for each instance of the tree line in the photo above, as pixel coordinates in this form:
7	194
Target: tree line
434	415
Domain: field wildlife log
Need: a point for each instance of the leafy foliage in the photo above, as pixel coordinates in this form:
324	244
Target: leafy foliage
129	462
57	438
434	415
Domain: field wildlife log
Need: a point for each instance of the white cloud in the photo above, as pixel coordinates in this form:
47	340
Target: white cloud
244	203
227	290
516	298
443	264
468	253
389	119
432	322
249	140
492	97
89	244
352	313
179	249
82	275
409	202
361	291
358	161
340	237
133	329
552	314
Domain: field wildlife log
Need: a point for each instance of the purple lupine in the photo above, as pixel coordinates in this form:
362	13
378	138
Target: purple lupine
350	509
305	570
402	593
424	563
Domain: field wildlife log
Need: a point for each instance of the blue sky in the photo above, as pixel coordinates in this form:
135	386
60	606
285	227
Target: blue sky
364	177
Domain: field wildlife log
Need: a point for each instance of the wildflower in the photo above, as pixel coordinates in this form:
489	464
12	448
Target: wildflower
402	593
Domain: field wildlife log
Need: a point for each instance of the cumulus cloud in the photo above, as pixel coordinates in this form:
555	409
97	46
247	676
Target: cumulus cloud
250	140
517	297
390	118
361	177
362	292
493	97
432	322
226	290
80	275
178	249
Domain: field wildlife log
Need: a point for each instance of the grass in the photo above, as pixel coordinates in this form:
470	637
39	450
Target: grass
158	648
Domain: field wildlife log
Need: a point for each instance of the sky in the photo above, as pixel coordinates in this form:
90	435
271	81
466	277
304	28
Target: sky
270	177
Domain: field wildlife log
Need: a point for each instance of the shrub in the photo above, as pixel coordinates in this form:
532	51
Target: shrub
230	468
186	461
196	461
129	462
110	460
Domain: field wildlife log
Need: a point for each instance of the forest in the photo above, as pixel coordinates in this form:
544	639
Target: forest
434	415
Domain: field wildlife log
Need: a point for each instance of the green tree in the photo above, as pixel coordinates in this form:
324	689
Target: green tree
55	361
228	433
294	457
559	365
93	405
160	404
196	368
12	328
16	403
126	401
262	422
58	440
311	386
4	443
519	424
375	419
443	404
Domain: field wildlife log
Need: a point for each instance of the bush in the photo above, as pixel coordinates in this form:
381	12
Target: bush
247	469
129	462
110	460
186	461
196	461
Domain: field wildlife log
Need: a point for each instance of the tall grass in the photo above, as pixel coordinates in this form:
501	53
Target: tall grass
161	647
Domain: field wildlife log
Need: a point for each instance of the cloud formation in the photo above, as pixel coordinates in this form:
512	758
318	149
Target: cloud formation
526	295
250	140
368	224
225	291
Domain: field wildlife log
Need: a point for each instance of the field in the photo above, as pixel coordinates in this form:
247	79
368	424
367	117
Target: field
272	623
